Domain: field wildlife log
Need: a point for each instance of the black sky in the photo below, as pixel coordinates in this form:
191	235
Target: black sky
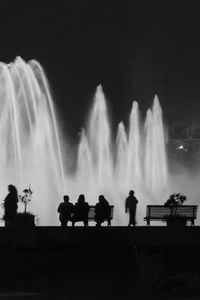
135	49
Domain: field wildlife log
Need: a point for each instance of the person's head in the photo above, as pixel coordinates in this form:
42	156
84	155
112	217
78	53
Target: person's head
101	198
81	198
66	198
131	193
12	189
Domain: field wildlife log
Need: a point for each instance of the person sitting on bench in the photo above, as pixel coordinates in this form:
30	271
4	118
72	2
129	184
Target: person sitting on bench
81	210
101	210
65	209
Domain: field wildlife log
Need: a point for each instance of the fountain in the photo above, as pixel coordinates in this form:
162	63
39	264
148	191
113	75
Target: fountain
31	151
30	148
136	160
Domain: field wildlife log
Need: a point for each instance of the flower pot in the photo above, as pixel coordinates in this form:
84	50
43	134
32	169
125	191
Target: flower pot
176	221
25	220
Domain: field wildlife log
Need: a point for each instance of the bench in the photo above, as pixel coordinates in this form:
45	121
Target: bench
160	212
91	214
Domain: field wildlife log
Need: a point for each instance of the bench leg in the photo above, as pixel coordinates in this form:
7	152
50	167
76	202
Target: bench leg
98	224
85	223
148	222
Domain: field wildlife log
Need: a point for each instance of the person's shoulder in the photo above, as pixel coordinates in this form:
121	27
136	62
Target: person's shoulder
60	207
87	205
8	196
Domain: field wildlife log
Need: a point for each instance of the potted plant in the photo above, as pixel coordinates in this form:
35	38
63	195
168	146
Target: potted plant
174	219
25	218
175	200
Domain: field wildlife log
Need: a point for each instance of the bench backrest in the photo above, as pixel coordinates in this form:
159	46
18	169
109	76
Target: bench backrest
91	214
161	211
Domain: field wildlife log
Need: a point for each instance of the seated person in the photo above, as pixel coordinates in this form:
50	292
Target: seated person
81	210
65	209
102	211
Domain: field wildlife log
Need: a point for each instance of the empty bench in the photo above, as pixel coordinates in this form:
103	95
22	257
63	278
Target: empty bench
161	212
91	214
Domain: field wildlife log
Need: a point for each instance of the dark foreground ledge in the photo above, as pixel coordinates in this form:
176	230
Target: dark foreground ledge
140	236
100	263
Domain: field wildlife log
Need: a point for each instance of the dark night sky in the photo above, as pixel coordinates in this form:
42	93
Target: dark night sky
134	48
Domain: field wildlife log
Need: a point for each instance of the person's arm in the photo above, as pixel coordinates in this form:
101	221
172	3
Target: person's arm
6	201
59	208
126	206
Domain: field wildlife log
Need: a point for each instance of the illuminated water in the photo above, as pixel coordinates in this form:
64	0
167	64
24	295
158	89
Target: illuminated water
31	151
135	160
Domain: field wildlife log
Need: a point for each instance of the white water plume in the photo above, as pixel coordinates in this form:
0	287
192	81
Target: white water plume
140	161
30	147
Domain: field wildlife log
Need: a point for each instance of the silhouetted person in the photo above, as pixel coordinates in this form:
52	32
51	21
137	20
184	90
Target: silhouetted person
130	206
102	210
65	209
81	210
10	206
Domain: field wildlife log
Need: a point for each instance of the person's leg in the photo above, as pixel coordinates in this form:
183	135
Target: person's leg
67	220
98	224
133	216
73	220
85	222
98	221
7	223
131	220
63	223
12	222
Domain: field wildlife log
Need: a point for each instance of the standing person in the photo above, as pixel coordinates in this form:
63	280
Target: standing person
10	206
130	206
65	209
81	210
